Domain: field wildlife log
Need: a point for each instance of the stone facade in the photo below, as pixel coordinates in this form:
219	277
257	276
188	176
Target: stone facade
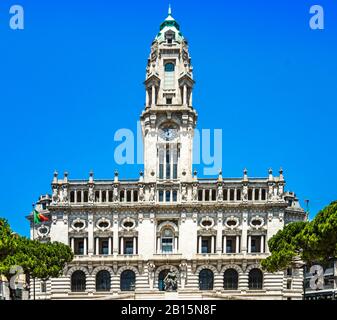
168	234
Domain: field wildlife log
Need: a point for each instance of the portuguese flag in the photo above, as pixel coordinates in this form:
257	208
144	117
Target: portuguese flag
39	217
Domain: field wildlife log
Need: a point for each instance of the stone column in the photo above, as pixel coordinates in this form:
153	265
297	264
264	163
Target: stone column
97	246
244	232
225	244
158	245
237	244
212	244
262	244
249	244
110	246
147	97
153	95
134	245
115	241
122	245
90	234
219	242
200	245
85	246
72	244
175	244
185	94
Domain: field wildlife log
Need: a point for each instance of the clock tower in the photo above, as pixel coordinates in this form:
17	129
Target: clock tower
169	119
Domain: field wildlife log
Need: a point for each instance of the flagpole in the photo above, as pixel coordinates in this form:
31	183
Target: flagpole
33	240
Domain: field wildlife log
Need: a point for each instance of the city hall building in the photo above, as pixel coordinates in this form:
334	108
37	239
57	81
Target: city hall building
168	234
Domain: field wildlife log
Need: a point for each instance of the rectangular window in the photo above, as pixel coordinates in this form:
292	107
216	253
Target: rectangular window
168	162
79	247
161	171
85	196
213	195
289	284
168	100
135	196
250	194
230	244
206	195
255	244
104	196
225	195
72	196
161	196
43	286
231	195
167	245
238	195
206	245
110	196
263	196
128	196
103	246
79	196
175	196
97	196
122	196
168	196
200	195
128	246
257	194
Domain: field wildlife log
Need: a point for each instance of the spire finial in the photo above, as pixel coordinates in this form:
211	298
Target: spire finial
170	10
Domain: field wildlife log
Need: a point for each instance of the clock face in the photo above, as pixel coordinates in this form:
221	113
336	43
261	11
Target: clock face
168	134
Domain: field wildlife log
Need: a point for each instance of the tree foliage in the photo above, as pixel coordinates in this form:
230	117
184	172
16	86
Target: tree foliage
314	241
38	260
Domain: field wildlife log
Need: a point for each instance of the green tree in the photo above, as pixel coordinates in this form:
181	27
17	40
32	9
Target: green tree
311	242
38	260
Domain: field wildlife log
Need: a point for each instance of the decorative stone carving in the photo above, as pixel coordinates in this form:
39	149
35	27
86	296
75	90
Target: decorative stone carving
184	193
152	194
171	281
91	195
141	196
195	193
115	194
220	193
55	196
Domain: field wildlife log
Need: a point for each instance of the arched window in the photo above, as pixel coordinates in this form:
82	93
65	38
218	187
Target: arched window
169	75
103	281
255	279
206	280
167	240
78	282
128	281
231	280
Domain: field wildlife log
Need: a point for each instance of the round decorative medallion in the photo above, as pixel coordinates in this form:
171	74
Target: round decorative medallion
78	225
103	224
128	224
232	222
256	222
207	223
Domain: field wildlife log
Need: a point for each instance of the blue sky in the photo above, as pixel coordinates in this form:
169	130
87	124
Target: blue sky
74	76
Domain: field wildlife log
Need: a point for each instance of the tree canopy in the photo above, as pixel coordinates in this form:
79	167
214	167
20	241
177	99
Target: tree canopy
37	259
312	242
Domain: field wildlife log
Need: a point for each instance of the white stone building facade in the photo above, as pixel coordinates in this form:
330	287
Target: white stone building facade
127	235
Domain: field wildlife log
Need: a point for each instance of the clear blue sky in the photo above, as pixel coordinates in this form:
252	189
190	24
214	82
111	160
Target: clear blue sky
74	76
